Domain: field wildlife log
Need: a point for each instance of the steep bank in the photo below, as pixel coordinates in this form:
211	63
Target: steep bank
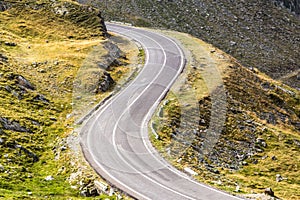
43	44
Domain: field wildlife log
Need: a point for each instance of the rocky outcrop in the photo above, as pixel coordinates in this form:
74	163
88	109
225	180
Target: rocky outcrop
24	83
113	58
3	58
4	6
22	86
42	98
92	81
12	125
27	152
106	83
20	150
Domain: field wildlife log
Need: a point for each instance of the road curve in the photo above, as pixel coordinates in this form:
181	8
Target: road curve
115	139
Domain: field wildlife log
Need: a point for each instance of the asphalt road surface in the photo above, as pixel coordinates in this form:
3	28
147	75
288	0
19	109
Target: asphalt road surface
115	139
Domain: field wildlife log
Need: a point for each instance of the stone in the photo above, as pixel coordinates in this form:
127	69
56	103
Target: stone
264	144
49	178
12	125
259	150
63	148
62	11
215	171
8	88
11	44
101	186
244	163
27	152
113	58
261	142
255	162
111	192
237	188
269	191
68	116
40	97
202	122
278	178
232	43
267	86
106	82
190	171
42	71
1	168
264	157
23	82
4	6
3	58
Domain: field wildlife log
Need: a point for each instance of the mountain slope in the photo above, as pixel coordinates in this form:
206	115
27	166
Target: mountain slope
261	34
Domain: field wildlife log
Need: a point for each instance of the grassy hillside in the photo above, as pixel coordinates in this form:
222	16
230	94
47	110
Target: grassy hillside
43	44
237	129
261	34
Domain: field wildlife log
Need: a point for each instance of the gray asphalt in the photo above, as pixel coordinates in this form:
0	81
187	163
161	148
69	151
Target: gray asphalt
115	139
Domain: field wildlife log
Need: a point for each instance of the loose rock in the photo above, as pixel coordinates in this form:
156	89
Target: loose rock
278	178
1	168
11	44
49	178
269	191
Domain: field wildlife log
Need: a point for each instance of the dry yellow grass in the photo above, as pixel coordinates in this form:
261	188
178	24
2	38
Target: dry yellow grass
49	52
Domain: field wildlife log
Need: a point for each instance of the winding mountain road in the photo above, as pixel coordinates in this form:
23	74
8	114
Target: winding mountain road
115	139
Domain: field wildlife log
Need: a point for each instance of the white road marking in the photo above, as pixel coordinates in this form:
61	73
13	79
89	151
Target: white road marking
147	117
